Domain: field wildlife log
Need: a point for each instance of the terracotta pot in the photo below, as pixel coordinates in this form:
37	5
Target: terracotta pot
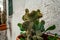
18	37
45	37
3	27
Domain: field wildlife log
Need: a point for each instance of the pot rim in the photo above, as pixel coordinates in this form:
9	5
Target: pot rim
3	27
19	36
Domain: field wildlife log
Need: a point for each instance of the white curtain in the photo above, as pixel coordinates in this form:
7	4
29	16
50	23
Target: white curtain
49	8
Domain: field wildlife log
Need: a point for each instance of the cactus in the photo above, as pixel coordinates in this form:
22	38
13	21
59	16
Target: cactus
4	18
32	26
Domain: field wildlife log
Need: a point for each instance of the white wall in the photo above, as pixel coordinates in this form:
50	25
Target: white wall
1	5
49	8
18	10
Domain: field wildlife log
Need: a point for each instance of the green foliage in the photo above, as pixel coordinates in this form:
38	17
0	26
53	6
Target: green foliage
22	39
39	25
22	32
31	24
53	38
20	26
25	25
31	16
26	10
51	28
26	16
35	25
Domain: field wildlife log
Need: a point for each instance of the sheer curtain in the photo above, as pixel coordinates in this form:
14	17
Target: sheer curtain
49	8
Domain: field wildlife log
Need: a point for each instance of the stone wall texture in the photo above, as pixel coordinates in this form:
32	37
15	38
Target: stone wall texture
3	35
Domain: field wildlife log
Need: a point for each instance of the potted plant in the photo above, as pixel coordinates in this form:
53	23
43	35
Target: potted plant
3	25
31	28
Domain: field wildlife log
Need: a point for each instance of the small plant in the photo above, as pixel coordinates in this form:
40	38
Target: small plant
31	28
3	17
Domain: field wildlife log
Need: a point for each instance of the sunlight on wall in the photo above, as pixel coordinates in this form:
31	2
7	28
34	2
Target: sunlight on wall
1	5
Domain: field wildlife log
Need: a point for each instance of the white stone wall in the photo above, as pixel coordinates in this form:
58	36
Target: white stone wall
3	35
1	4
49	8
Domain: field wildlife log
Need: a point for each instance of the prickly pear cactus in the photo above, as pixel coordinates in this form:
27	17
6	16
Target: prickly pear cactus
29	20
31	25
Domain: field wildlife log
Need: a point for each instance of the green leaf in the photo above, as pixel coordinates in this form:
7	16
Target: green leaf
53	37
50	38
22	32
42	22
41	25
26	24
35	25
20	26
22	39
51	28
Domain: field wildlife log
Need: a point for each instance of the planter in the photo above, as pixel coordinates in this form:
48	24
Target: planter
18	37
3	27
45	37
